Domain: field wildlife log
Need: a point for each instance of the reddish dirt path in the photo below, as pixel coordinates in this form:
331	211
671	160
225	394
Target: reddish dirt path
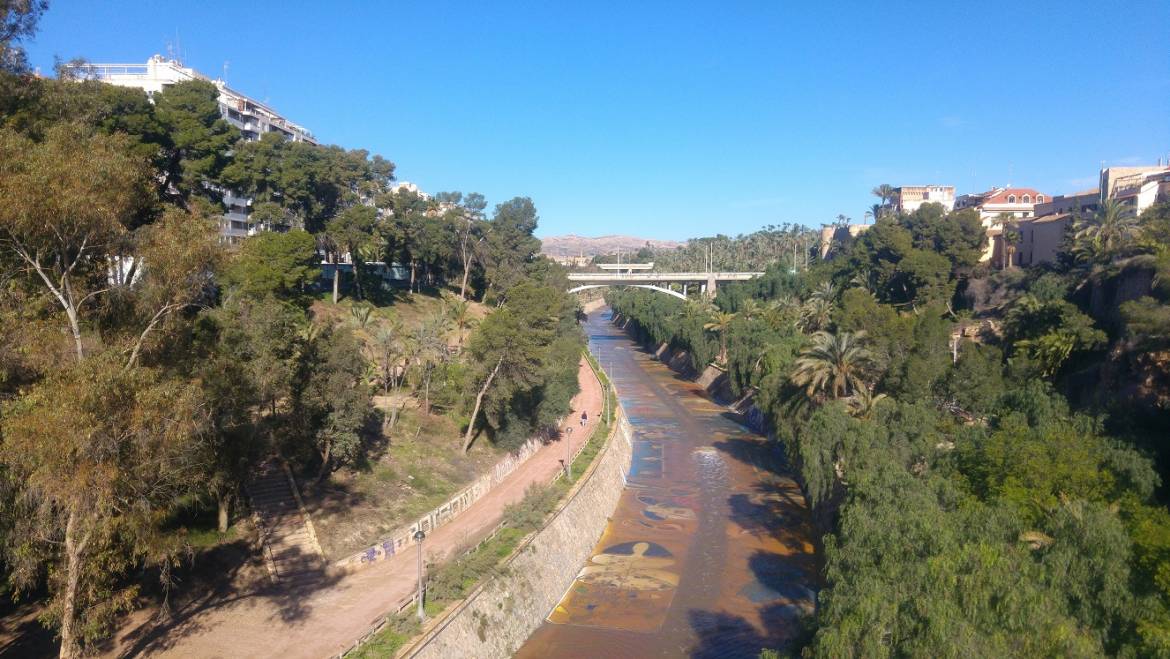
321	619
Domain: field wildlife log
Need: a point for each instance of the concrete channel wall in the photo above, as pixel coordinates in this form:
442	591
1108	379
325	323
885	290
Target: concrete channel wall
496	619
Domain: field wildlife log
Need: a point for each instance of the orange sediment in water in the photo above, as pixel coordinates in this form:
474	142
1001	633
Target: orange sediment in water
709	550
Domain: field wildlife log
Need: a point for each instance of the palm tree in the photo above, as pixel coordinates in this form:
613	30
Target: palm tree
782	311
834	365
362	313
815	314
698	308
751	309
720	322
459	312
864	402
826	291
430	346
886	193
386	349
1010	235
1111	229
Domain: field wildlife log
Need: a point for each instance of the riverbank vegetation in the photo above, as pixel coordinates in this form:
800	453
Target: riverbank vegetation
449	584
985	451
148	365
786	245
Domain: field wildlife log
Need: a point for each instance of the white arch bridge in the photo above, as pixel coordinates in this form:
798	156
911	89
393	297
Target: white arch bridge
658	281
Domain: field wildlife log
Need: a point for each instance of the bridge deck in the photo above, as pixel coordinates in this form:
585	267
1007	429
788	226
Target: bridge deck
610	277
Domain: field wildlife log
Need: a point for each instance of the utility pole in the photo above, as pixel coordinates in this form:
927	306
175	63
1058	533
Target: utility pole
568	455
418	539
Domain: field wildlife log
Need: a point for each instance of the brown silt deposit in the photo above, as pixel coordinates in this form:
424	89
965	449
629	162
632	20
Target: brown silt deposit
709	552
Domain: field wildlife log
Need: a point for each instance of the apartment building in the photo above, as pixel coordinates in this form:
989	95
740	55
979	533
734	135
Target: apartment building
996	204
1042	235
1136	187
909	198
1084	203
250	116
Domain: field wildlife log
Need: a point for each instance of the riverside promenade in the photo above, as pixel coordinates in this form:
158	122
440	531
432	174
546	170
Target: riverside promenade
250	617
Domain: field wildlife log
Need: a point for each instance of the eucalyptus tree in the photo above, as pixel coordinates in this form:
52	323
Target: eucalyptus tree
97	451
468	225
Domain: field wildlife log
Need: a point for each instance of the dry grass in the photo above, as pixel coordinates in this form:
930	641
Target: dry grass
423	464
422	468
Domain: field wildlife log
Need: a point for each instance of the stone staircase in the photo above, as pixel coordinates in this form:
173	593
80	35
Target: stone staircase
290	545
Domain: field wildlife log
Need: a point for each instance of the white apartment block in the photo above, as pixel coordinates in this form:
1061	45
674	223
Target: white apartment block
250	116
909	198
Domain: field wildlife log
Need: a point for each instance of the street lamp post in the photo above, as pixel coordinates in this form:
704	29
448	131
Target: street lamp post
418	540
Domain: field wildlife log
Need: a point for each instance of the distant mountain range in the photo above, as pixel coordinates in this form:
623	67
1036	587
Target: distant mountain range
571	245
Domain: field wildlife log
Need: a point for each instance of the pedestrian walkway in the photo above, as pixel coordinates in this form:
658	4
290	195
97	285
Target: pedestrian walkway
291	551
321	617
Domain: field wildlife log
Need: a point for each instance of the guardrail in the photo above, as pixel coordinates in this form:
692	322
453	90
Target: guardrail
614	421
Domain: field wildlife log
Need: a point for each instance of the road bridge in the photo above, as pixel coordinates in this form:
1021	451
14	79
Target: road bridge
658	281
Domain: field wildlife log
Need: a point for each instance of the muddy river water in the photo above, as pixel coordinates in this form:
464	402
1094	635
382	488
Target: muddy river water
709	552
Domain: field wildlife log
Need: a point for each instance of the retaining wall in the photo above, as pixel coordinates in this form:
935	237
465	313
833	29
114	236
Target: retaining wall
496	619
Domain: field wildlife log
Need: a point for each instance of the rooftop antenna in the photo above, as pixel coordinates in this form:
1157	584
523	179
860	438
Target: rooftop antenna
225	70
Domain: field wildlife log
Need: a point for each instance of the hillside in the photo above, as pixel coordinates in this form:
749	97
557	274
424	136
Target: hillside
573	245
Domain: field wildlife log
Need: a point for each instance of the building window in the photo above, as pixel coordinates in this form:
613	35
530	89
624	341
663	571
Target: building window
1039	199
1011	199
1027	199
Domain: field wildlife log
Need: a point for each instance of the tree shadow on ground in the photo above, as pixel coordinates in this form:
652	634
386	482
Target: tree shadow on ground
787	605
775	506
724	636
21	632
231	575
762	454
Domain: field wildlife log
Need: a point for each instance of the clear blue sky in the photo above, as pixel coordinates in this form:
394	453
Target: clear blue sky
672	120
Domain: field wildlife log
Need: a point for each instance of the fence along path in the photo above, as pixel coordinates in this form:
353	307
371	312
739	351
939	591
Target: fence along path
324	618
401	539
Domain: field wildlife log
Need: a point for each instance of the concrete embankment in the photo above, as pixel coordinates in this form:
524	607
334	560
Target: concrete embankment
499	615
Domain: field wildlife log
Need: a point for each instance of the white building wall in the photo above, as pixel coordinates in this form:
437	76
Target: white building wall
251	117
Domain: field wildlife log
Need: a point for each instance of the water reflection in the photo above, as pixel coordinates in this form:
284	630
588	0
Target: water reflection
708	553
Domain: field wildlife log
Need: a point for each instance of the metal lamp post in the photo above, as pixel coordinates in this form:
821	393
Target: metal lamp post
418	540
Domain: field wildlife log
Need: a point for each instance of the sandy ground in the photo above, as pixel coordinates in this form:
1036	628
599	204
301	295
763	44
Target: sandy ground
248	617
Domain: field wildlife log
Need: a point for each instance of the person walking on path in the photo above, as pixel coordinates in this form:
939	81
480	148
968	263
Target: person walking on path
584	418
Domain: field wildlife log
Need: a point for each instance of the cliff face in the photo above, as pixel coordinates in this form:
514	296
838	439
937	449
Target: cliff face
572	245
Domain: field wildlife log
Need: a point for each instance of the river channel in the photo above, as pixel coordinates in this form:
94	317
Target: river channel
709	552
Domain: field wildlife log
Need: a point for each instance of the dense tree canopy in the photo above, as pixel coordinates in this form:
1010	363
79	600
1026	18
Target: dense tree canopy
153	366
926	404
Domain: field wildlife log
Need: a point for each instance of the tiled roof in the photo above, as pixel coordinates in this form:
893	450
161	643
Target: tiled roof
1051	217
1001	196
